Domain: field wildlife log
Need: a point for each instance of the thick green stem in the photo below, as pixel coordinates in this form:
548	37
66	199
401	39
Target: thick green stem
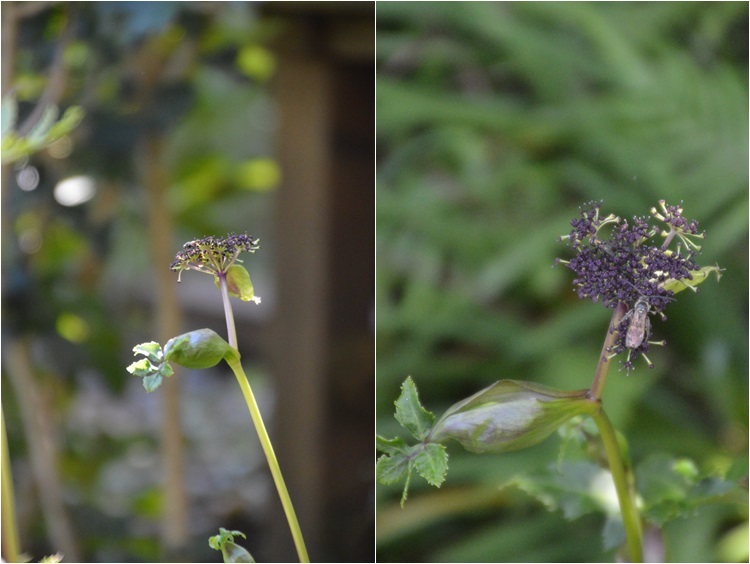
10	531
265	441
625	494
273	464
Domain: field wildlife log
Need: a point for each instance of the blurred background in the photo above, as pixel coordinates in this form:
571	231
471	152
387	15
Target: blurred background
201	118
495	122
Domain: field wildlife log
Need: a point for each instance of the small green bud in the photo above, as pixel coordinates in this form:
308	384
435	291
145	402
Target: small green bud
239	284
202	348
510	415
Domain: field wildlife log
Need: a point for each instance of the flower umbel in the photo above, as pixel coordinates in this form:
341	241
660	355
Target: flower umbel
621	265
213	255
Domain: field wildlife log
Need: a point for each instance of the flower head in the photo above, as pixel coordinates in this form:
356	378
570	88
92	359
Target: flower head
213	255
623	265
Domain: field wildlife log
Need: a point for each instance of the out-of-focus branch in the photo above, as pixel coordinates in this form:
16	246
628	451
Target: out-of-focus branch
40	437
168	322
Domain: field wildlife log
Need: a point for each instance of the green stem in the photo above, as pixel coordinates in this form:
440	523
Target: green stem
625	494
273	464
265	441
10	531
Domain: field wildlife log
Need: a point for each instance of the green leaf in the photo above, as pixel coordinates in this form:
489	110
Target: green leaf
432	464
410	413
390	469
239	284
151	350
165	370
230	551
67	123
390	446
142	367
673	487
152	382
573	487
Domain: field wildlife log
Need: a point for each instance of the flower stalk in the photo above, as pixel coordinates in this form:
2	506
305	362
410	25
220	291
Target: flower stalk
631	520
273	464
265	441
203	348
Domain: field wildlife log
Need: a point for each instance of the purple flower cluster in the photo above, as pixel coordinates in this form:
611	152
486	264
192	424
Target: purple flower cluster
621	264
213	255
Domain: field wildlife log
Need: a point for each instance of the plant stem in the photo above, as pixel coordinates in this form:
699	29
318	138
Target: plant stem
625	494
231	332
10	531
602	368
265	441
273	464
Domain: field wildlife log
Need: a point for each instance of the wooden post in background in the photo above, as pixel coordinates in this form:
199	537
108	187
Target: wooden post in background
322	341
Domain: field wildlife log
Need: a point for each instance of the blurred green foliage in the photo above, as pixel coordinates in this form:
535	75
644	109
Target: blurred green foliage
495	122
77	282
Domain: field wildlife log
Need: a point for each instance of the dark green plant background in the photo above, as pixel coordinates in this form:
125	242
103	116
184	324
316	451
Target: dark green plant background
495	122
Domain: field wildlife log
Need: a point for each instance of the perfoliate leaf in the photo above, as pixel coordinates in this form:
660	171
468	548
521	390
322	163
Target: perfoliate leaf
202	348
509	415
432	464
235	553
410	413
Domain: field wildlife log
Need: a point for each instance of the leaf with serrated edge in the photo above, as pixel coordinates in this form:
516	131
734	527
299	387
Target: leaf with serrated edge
152	382
391	469
390	446
151	350
141	368
432	464
410	413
